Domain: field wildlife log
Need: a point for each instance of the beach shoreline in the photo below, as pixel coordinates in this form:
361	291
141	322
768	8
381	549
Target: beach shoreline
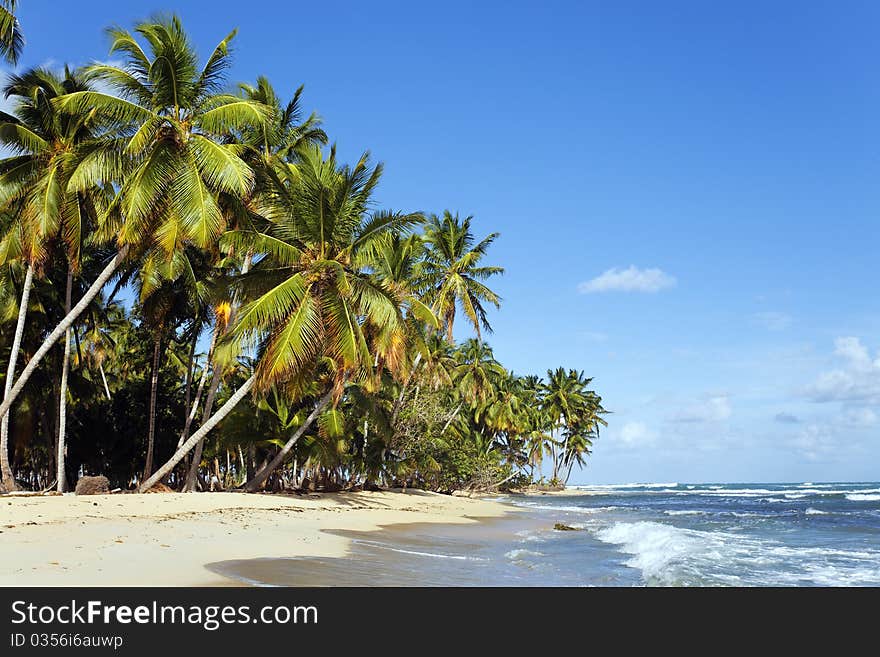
167	539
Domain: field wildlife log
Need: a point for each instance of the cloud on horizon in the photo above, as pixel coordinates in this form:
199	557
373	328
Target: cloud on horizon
631	279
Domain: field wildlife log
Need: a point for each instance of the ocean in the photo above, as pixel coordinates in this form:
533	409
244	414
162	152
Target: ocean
663	534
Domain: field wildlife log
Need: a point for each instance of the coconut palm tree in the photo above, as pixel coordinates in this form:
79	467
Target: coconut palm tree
452	276
271	149
166	156
563	400
46	141
312	305
11	37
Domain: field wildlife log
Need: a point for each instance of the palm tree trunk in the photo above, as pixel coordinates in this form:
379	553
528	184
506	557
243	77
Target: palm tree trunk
250	467
154	389
195	405
403	389
568	474
212	422
62	407
555	460
187	396
451	418
59	330
241	468
8	479
192	475
260	478
104	379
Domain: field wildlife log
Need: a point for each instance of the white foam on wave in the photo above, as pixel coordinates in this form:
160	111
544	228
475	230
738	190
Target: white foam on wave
815	512
672	555
519	554
684	512
623	486
654	546
861	497
570	509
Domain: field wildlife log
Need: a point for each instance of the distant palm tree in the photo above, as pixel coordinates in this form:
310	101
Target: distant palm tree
11	37
452	276
477	371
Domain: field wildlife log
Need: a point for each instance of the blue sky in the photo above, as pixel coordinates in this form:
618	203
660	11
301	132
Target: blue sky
687	195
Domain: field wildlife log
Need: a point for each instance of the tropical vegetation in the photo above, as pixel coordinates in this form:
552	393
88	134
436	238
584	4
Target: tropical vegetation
195	292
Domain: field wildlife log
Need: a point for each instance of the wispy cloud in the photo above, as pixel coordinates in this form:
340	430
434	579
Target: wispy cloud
815	442
636	434
713	409
631	279
786	418
772	321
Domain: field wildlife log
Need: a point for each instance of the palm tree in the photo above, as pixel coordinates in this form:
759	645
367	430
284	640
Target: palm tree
452	276
312	305
563	399
271	149
477	371
46	141
11	38
166	153
583	428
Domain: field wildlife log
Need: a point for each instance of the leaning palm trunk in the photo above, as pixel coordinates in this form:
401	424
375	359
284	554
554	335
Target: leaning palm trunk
568	474
104	379
61	478
59	330
195	404
7	478
154	389
212	422
192	476
451	418
399	403
261	477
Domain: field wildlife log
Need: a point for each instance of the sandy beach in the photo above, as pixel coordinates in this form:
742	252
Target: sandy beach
166	539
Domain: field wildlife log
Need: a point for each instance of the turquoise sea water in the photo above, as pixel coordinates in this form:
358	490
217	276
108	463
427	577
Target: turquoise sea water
667	534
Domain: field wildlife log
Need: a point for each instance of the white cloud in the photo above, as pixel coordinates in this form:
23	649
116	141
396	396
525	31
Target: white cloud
854	352
856	381
860	417
772	321
631	279
595	336
714	409
636	434
815	442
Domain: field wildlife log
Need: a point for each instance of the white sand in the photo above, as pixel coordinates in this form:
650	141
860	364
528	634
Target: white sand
165	539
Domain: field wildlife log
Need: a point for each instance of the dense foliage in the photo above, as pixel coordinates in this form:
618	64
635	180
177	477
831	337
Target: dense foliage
190	279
